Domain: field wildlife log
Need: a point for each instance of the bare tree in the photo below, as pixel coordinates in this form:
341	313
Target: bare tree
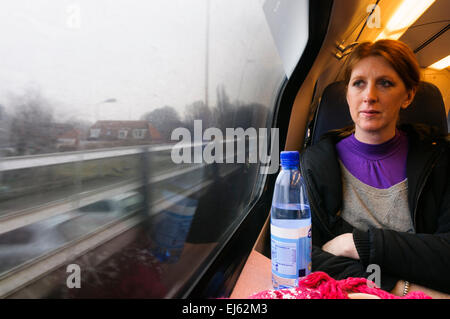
32	130
224	113
199	111
165	119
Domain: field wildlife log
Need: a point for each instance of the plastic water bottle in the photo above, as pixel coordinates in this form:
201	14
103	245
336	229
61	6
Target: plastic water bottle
290	227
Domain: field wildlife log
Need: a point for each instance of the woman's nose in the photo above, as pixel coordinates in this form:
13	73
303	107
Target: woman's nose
370	94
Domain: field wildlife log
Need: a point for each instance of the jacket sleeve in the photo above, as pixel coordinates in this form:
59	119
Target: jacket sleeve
421	258
339	268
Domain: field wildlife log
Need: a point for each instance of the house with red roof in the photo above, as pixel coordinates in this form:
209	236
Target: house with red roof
132	131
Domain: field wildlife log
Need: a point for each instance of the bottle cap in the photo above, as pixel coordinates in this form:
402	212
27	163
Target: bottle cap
289	158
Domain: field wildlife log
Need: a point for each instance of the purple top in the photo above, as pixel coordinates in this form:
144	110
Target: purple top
381	165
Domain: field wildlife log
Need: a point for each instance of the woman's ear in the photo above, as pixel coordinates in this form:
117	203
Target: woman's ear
409	99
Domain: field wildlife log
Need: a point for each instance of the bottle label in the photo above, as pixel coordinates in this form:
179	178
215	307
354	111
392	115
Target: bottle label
291	251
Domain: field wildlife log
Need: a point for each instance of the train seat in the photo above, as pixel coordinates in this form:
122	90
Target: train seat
333	112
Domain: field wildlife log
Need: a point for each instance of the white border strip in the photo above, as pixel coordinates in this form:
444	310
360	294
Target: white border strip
30	161
16	162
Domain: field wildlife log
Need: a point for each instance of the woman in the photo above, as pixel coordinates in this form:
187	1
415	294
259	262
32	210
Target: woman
380	194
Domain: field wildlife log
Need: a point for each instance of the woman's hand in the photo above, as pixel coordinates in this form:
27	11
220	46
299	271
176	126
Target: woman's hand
342	245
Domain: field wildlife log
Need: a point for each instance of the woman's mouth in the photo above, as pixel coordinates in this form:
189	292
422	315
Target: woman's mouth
370	113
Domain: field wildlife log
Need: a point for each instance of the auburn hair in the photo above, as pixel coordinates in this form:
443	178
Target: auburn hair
395	52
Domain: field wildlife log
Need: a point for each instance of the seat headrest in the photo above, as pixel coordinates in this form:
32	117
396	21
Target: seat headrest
333	112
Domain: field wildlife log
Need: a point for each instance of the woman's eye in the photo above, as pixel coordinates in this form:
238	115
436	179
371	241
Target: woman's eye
386	83
358	83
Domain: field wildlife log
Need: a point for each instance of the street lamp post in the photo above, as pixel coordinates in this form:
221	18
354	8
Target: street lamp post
110	100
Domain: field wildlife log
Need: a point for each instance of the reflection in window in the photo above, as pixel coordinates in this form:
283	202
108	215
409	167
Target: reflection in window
87	112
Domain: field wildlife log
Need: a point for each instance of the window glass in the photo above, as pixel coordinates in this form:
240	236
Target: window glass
109	111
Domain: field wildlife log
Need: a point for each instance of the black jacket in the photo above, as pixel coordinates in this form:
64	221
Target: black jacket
422	258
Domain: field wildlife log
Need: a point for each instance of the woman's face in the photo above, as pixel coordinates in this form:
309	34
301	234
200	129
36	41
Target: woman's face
375	95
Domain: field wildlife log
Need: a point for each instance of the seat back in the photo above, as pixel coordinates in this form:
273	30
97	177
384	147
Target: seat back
333	112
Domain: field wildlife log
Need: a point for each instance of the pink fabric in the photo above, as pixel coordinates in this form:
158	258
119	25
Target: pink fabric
319	285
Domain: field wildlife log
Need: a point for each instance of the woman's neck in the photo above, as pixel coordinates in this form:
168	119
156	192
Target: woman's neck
376	137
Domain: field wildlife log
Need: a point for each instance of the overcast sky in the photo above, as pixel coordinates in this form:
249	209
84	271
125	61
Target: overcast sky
142	53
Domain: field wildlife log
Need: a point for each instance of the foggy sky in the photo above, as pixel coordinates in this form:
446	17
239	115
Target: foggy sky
144	54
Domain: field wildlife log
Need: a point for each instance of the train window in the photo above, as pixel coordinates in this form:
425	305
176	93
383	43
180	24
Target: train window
92	95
